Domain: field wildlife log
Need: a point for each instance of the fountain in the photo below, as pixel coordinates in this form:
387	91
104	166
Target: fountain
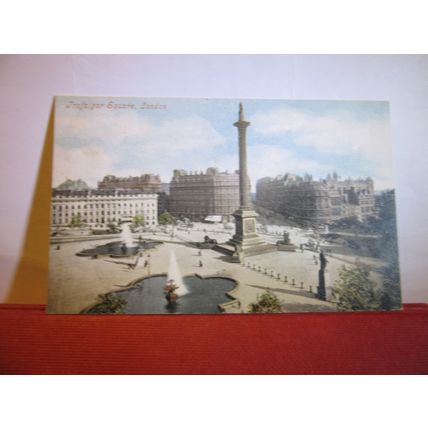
127	240
126	247
174	275
147	296
126	235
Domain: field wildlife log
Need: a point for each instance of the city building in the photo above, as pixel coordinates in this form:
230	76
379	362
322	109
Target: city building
96	207
307	201
196	195
146	183
163	198
73	185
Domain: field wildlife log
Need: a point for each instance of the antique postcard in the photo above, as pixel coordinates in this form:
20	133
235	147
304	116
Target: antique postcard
173	206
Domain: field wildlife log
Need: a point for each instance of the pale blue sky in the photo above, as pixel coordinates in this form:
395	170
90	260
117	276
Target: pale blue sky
317	137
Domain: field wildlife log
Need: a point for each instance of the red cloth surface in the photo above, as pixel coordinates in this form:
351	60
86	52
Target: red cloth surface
32	342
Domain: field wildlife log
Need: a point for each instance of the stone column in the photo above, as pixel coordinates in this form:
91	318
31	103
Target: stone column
245	241
244	194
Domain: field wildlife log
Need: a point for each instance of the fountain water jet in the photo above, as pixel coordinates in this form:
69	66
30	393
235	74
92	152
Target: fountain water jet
174	274
126	236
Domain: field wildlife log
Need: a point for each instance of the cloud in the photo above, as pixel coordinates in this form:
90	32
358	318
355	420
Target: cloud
269	161
338	134
91	144
127	143
341	133
114	129
89	163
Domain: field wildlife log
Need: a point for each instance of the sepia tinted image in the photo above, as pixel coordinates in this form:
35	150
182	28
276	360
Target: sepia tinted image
172	206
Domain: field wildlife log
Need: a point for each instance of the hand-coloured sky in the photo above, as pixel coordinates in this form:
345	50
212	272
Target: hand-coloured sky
315	137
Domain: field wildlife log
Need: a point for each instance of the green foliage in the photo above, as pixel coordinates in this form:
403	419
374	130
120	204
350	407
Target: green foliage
356	291
166	218
109	304
267	303
76	220
138	220
391	293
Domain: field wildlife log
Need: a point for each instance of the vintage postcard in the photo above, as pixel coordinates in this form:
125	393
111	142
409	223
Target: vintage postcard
173	206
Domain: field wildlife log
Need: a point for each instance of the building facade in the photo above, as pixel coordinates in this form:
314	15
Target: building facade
198	195
145	183
307	201
97	207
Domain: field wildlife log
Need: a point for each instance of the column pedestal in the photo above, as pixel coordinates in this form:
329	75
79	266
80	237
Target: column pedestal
246	238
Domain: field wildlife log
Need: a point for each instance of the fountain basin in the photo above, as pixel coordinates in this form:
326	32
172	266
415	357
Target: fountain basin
115	249
146	296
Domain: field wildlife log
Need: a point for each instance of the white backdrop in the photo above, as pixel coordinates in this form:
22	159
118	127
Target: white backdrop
28	83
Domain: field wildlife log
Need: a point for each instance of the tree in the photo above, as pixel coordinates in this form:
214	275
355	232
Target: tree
166	218
356	291
138	220
76	220
391	293
267	303
109	304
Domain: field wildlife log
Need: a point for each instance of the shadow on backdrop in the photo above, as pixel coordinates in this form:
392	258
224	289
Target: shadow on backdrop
30	282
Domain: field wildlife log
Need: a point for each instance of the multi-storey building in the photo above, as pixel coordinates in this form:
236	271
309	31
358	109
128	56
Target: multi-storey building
197	195
102	206
323	201
146	183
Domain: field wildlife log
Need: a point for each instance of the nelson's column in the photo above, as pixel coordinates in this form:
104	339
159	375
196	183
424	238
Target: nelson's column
246	238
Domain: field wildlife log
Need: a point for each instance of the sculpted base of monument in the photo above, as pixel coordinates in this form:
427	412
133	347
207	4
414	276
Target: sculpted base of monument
246	240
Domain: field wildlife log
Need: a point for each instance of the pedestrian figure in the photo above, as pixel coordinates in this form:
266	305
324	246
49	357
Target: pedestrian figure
58	247
301	248
200	263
